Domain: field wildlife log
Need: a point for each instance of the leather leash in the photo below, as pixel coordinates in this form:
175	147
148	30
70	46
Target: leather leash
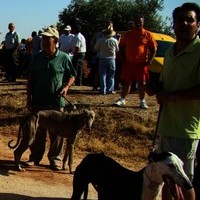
69	102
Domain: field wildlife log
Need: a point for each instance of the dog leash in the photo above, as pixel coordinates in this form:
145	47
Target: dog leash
69	102
153	148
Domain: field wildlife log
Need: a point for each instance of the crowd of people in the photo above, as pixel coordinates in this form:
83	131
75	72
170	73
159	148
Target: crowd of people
55	62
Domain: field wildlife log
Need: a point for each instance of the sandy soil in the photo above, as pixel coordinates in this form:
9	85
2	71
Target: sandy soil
37	182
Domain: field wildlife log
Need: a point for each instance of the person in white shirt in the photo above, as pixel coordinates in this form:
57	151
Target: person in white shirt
106	47
79	51
66	41
12	42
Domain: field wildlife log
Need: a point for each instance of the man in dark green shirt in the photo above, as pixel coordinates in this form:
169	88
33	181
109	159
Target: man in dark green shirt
51	75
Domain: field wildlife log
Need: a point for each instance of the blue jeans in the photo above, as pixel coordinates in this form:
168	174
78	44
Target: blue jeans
107	74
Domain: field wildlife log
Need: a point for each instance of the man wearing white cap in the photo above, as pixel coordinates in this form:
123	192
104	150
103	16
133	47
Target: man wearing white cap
51	75
66	40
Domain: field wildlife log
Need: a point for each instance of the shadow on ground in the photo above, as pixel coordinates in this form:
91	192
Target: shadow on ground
7	196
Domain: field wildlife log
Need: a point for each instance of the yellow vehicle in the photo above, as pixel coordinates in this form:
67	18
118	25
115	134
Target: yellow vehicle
164	42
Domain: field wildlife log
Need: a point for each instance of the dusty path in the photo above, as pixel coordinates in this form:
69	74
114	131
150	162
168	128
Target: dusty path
37	182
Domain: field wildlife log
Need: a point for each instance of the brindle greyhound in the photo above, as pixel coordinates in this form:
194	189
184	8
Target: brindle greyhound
67	125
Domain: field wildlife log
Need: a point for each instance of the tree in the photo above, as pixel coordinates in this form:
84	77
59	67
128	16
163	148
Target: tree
92	14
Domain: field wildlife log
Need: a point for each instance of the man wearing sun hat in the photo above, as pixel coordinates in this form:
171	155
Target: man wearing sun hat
51	75
66	40
106	48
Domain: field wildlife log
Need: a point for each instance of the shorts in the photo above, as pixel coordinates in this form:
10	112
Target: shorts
185	149
134	72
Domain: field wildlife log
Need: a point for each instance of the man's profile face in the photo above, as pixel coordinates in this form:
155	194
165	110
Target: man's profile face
186	25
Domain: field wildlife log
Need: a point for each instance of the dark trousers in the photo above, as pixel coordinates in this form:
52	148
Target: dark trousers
78	65
10	65
38	147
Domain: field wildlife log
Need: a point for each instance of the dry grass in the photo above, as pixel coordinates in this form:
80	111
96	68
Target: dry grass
123	133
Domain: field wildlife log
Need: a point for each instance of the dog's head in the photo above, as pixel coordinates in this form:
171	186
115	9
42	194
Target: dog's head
89	116
168	166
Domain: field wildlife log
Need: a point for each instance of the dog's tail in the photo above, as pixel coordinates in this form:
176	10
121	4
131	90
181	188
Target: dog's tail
18	138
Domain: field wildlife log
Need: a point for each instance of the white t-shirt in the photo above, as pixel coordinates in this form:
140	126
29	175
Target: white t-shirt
80	42
66	42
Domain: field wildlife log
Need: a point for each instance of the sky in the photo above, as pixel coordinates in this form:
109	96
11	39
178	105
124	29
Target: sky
33	15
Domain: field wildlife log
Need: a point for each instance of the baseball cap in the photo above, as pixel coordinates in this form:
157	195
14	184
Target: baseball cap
68	28
51	32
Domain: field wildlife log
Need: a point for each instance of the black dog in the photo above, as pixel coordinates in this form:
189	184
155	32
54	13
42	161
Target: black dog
114	182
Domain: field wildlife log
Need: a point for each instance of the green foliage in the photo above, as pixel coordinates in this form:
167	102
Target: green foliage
93	14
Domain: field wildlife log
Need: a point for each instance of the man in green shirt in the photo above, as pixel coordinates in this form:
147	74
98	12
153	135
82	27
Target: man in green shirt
51	75
179	123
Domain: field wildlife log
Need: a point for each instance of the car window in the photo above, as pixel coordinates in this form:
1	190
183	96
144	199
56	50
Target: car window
162	47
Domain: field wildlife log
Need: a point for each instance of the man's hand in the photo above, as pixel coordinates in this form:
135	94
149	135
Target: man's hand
64	90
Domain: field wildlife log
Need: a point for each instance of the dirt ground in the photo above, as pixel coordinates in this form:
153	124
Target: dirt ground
38	182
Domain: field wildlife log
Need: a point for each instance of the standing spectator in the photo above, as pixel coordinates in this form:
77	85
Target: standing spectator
21	57
28	54
94	60
79	54
36	43
66	41
137	49
51	76
12	42
179	124
94	63
106	48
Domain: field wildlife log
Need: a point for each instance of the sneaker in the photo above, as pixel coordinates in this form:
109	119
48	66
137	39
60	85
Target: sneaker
55	167
111	92
143	105
95	89
31	163
120	102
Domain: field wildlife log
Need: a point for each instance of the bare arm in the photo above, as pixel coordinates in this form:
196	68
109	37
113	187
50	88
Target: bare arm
152	53
189	194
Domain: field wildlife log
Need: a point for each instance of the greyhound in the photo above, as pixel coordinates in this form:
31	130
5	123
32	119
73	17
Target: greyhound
114	182
67	125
